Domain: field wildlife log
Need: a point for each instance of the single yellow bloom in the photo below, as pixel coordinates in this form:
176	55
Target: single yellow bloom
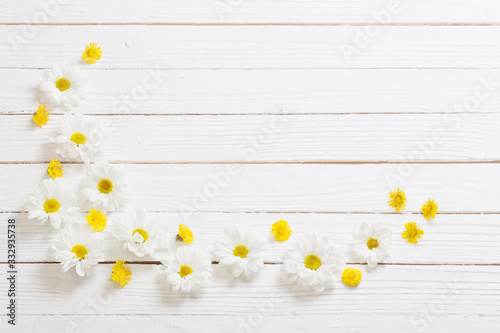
80	251
185	270
92	53
97	220
351	277
240	251
120	273
185	234
397	199
281	230
55	169
412	233
41	116
312	262
429	209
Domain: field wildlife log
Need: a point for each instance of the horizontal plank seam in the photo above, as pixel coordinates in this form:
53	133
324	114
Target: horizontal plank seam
290	212
155	262
263	162
271	24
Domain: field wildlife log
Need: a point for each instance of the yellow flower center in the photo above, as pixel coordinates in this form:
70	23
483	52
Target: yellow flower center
240	251
412	232
78	138
51	206
185	271
312	262
372	243
62	84
105	186
351	274
80	251
143	233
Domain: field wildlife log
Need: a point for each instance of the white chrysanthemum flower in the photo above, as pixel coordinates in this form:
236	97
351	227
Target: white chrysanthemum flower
77	246
63	87
312	262
187	270
103	187
240	251
52	201
141	233
370	244
78	136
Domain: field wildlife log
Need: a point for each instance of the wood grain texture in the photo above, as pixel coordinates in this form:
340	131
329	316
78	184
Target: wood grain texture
271	91
250	47
388	290
280	188
446	235
276	11
435	322
270	138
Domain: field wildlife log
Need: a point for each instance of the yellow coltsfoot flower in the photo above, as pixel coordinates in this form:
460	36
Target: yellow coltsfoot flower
281	230
412	233
429	209
120	273
97	220
397	199
92	53
184	235
351	277
55	169
41	116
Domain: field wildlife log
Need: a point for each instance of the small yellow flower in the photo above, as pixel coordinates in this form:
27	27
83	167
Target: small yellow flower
185	234
92	53
120	273
55	169
429	209
397	200
281	230
351	277
412	233
41	116
97	220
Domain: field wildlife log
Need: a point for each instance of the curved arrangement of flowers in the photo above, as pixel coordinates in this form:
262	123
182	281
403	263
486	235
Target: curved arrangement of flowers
311	261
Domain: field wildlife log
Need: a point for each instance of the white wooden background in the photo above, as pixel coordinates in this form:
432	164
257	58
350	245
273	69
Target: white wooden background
228	72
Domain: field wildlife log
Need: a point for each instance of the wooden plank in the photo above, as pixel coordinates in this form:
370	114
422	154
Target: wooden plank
388	290
434	322
270	138
259	11
272	91
281	188
446	235
246	47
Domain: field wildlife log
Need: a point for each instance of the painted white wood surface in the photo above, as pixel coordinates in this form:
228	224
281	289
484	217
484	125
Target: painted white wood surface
271	91
259	11
344	188
253	47
271	138
389	290
446	236
219	86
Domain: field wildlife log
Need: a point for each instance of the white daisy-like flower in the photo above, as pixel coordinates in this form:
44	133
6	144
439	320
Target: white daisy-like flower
78	136
103	187
63	87
240	251
370	244
187	270
52	201
141	233
312	262
77	246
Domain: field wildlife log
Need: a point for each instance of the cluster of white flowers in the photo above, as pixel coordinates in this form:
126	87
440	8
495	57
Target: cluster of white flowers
312	262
